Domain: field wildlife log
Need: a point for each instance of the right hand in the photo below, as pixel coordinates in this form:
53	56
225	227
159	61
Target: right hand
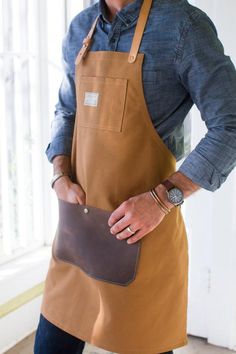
69	191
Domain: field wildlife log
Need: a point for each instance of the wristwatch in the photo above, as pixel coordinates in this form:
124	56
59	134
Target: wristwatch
174	194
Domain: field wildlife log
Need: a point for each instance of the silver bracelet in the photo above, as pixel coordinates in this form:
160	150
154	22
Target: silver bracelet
57	176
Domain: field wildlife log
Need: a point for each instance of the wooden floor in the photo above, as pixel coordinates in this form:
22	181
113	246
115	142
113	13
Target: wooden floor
195	346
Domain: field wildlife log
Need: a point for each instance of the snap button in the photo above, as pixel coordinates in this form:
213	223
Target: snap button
86	210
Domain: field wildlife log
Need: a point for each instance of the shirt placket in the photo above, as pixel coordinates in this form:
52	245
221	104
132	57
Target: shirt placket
113	35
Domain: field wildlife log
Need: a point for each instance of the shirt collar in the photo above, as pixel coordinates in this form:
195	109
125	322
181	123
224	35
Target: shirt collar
127	14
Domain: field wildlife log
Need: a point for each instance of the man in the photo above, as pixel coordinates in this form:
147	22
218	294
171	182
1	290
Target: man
107	155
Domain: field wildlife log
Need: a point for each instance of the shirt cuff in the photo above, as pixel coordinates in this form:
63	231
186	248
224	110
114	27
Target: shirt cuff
59	146
201	171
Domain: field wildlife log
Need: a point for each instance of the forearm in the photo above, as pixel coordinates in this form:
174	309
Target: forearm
64	186
181	181
62	163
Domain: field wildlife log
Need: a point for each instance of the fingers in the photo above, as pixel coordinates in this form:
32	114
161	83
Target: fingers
121	218
117	214
120	225
139	214
136	237
71	192
81	197
139	233
81	200
126	234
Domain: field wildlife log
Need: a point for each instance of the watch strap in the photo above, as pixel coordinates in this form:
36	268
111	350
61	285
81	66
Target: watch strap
168	184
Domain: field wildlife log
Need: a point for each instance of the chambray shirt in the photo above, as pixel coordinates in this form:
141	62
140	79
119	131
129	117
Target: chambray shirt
184	64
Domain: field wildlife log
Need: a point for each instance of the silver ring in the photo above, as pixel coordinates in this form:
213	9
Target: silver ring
129	229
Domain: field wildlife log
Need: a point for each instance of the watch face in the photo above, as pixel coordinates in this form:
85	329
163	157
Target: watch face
175	196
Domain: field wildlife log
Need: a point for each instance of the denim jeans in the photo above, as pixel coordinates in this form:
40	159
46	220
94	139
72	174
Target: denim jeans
50	339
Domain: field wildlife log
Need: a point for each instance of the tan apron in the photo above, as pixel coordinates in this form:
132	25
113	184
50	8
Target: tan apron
117	154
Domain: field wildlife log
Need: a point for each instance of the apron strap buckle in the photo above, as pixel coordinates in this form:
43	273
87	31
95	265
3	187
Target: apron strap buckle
84	49
86	43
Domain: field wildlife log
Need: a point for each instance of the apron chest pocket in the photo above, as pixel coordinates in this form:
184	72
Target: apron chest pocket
101	102
83	239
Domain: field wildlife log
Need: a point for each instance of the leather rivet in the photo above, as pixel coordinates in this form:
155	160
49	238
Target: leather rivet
131	58
86	210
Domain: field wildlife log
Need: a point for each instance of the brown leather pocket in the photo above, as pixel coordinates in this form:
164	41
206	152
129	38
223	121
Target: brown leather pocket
84	240
101	102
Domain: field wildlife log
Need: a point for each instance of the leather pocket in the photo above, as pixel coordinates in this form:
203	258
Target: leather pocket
84	240
101	102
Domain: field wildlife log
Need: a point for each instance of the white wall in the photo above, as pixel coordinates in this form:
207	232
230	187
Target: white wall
17	279
211	223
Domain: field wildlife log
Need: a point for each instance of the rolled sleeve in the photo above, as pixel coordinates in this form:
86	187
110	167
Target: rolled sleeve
59	146
207	176
209	76
62	125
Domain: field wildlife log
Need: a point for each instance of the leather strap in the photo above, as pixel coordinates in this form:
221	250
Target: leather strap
168	184
139	30
142	20
86	42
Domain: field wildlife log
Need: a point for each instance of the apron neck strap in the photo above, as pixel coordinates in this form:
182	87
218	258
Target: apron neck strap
86	42
138	35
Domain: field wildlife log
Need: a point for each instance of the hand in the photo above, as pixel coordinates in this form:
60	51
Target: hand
141	213
69	191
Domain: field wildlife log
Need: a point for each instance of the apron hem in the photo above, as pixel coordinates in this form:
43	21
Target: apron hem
84	338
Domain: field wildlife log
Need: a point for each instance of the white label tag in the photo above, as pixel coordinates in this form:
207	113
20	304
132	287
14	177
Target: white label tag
91	99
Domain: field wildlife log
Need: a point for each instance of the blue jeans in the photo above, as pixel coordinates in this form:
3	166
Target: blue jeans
50	339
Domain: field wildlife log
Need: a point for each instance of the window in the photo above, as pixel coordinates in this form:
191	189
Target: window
31	33
20	139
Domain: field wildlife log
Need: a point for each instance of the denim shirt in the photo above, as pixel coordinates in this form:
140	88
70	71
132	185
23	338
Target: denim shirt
184	63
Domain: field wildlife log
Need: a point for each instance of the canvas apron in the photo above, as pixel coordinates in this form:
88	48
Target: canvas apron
117	154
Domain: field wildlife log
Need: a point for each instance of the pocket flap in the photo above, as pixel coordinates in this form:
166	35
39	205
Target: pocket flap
84	240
